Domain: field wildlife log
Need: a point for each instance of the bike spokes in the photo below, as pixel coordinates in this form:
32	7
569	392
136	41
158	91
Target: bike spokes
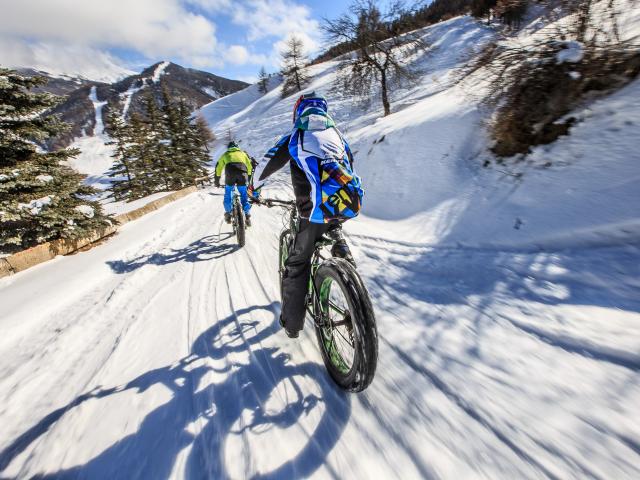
337	330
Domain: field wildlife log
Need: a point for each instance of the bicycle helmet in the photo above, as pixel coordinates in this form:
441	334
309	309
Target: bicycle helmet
309	100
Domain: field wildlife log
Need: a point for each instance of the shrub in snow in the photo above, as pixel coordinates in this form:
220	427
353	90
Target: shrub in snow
533	87
511	12
38	193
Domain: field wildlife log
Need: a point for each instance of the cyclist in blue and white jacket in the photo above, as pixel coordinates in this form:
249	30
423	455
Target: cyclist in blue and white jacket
327	192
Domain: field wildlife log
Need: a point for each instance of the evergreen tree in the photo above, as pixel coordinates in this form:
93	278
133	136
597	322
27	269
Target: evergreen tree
483	8
41	199
511	12
132	172
293	67
263	81
120	172
173	125
192	152
142	148
206	135
158	138
161	150
187	151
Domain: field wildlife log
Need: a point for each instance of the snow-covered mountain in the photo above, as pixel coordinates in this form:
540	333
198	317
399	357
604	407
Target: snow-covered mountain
57	84
194	86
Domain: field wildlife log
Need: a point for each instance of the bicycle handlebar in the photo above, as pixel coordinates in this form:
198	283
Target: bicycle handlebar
272	202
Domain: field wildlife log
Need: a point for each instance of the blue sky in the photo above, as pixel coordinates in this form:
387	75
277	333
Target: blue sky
230	33
105	39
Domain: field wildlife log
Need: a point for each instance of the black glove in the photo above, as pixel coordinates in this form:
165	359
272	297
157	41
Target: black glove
216	181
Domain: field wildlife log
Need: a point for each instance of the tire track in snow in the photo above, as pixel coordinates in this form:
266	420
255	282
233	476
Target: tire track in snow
471	412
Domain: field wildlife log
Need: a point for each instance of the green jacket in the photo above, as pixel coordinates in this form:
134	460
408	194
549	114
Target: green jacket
233	155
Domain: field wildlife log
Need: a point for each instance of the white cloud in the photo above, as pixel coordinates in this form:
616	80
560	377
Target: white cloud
275	21
58	59
274	18
74	35
239	55
155	28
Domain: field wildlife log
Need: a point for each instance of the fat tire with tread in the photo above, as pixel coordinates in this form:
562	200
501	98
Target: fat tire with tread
364	325
240	224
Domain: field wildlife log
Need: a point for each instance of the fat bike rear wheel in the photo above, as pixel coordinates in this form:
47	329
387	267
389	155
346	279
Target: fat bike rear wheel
346	325
286	240
240	224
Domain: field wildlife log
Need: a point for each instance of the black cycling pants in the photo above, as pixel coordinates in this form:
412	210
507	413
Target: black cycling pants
233	177
295	283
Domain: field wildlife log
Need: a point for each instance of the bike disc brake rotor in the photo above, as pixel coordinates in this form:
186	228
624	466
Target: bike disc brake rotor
337	331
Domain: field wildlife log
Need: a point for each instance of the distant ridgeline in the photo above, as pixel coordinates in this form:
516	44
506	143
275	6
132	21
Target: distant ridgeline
196	88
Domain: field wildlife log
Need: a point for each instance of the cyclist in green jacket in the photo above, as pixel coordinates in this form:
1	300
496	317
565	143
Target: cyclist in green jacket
237	171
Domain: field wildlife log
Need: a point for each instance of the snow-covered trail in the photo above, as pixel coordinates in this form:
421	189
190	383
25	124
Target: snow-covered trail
113	351
158	355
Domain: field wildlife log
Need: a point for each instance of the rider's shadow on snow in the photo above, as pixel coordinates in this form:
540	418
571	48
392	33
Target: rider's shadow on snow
204	414
203	250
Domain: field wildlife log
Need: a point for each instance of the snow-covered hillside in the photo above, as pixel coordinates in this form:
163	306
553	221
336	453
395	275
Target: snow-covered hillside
507	301
422	166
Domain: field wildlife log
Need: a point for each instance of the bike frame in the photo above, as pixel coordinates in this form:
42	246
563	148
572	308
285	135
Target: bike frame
234	201
313	296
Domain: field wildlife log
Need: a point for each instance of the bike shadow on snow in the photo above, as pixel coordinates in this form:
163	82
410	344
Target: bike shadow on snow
202	250
219	408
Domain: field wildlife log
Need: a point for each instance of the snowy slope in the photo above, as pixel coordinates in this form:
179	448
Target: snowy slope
94	159
434	146
158	355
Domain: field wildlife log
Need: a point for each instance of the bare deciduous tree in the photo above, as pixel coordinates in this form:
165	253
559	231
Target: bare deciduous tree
379	53
294	61
511	12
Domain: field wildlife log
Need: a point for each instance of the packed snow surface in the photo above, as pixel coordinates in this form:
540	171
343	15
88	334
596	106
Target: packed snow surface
507	301
95	158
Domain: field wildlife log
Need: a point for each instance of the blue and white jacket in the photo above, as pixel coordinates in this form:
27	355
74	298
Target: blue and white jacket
324	182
